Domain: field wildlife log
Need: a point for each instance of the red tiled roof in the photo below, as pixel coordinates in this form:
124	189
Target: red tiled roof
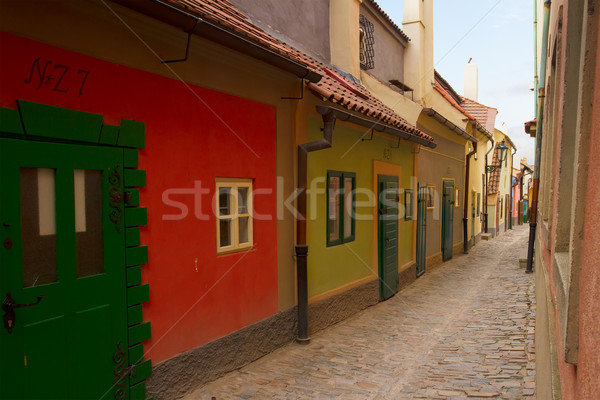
331	89
530	124
479	111
388	19
444	88
341	91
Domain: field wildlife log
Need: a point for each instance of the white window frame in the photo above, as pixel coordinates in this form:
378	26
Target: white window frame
234	184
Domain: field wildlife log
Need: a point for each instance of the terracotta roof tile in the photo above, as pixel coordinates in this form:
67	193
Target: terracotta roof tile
337	89
479	111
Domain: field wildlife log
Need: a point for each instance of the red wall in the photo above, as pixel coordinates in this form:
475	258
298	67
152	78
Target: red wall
192	134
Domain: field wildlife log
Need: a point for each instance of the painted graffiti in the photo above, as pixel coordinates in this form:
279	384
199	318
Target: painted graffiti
52	75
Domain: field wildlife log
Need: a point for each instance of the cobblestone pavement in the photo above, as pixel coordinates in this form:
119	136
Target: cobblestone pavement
462	331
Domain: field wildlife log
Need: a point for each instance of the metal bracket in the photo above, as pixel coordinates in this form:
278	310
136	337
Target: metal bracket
187	50
397	146
116	198
301	93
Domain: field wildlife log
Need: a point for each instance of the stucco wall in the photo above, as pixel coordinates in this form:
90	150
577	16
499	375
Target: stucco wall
389	52
446	161
92	29
330	268
302	24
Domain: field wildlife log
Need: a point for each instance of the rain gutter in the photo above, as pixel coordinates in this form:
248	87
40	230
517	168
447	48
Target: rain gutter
171	15
450	125
538	139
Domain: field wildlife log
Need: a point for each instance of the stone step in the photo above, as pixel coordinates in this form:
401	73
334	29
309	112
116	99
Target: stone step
486	236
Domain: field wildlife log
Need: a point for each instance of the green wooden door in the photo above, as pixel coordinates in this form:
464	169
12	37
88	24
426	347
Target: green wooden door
447	219
388	235
473	201
421	228
63	239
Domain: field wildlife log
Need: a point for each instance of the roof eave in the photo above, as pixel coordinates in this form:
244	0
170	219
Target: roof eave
190	23
375	125
449	124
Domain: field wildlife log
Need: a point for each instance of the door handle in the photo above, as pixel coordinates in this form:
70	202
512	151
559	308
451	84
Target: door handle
9	305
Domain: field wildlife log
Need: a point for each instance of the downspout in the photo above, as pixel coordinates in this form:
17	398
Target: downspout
538	139
467	191
512	160
486	186
535	64
301	246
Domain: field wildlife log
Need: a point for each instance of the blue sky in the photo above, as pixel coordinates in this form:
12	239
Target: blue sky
498	34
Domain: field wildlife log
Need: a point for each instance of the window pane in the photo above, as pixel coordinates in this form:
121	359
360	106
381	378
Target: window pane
348	205
334	208
224	232
242	200
89	242
38	225
224	201
243	230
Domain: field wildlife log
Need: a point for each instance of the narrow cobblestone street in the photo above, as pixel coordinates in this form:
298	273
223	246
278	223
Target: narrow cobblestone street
463	330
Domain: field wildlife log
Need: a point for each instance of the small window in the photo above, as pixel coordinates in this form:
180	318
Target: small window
340	207
366	43
456	197
408	204
430	197
234	215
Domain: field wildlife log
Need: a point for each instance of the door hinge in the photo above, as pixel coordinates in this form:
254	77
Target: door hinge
124	197
116	197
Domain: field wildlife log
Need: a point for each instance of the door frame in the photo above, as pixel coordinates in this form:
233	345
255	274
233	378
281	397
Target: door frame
382	178
473	215
41	122
447	204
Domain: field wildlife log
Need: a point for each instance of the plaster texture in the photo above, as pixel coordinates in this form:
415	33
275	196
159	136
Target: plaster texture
302	24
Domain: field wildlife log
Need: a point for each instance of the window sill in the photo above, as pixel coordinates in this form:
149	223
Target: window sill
232	251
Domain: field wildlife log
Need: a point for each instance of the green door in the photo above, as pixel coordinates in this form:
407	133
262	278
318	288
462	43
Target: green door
388	235
447	219
474	199
421	227
62	238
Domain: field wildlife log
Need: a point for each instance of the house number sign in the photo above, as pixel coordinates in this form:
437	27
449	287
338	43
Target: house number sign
56	77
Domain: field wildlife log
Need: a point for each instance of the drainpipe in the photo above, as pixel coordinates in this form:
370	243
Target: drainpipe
486	186
466	202
535	64
538	140
512	159
301	246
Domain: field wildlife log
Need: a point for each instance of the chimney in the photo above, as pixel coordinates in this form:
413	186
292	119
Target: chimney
418	56
344	35
471	81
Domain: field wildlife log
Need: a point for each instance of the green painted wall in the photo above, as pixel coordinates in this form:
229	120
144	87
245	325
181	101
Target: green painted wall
332	267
